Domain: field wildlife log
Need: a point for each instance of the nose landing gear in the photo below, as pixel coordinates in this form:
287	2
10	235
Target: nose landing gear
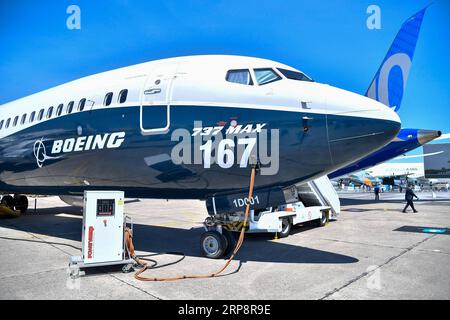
216	242
213	244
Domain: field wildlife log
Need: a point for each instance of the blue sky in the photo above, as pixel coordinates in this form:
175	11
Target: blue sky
328	40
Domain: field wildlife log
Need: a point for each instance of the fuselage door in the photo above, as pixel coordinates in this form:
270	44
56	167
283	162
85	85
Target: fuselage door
155	100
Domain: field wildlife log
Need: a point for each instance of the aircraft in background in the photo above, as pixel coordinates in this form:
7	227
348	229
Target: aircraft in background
388	87
357	179
394	174
400	174
411	169
416	173
397	174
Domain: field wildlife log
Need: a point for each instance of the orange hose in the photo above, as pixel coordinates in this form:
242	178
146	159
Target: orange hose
129	242
138	276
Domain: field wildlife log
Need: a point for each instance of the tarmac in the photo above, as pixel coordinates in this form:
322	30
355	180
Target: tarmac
373	251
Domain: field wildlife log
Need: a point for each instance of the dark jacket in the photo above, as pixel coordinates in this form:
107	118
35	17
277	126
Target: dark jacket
409	194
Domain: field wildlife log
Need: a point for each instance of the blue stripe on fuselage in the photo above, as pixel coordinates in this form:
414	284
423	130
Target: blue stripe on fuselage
302	155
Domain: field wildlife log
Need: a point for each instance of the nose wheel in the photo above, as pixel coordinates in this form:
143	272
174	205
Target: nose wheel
213	244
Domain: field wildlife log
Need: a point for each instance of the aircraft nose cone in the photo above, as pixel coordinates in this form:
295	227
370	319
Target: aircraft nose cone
424	136
352	137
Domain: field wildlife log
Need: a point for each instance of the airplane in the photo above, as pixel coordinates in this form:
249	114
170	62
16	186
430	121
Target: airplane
392	174
410	169
361	178
399	174
121	129
388	87
413	173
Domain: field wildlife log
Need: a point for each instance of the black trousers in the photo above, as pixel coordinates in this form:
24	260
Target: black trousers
409	203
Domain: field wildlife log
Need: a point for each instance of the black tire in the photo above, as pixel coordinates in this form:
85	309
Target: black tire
21	203
8	201
286	226
213	244
324	220
230	237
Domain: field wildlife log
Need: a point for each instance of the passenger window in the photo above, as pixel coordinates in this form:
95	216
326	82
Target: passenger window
265	76
41	114
24	117
49	112
59	110
7	123
69	107
295	75
15	121
123	96
1	124
108	99
81	104
32	115
239	76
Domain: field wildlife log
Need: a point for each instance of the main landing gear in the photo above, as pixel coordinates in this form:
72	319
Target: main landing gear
17	202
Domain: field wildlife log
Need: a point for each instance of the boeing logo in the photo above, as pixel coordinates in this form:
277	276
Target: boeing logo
40	153
83	143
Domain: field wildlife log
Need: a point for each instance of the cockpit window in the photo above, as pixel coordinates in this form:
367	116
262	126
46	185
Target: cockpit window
295	75
240	76
265	76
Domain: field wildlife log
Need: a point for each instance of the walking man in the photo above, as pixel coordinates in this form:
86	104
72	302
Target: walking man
377	192
409	196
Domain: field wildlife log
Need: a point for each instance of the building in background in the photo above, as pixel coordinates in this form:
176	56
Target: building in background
437	166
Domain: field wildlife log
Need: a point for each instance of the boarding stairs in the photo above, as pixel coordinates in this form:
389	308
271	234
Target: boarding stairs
319	192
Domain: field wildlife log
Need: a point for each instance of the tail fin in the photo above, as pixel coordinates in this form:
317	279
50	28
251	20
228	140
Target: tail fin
389	82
